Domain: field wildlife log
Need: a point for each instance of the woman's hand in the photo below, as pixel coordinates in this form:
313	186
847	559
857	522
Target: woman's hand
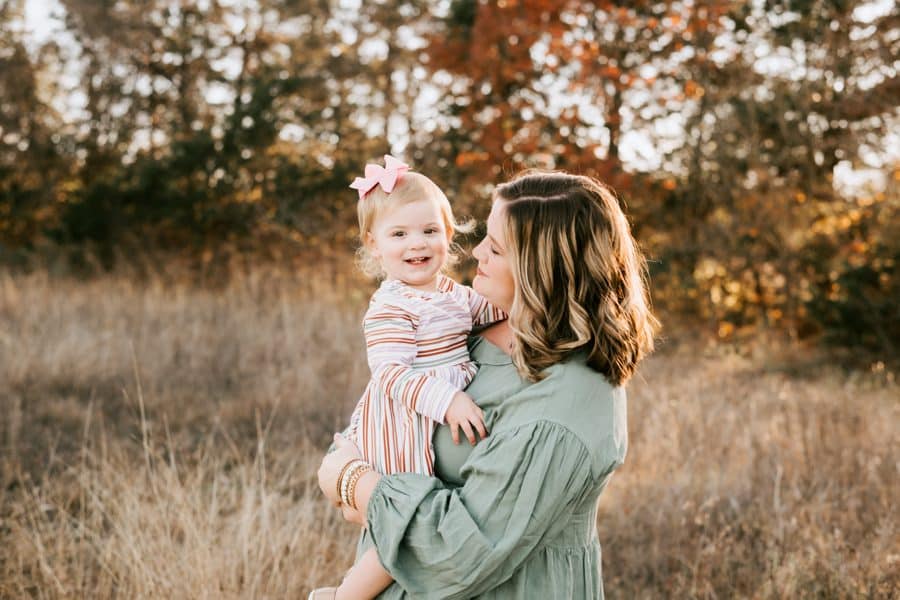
333	464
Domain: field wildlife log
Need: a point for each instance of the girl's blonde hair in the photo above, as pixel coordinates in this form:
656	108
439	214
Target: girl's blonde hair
580	278
411	187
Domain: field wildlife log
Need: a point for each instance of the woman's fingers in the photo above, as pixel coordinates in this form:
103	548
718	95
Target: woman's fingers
345	447
332	465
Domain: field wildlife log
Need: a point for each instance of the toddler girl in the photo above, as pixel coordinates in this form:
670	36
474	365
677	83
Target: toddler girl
416	329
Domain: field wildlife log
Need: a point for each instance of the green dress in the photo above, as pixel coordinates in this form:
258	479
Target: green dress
515	516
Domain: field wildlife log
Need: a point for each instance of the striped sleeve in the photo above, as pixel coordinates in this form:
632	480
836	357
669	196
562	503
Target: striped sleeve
390	332
352	431
483	312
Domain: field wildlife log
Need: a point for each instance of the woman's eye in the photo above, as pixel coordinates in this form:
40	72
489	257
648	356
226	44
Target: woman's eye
494	251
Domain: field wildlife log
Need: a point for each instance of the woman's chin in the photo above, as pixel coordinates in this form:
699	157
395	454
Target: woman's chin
479	284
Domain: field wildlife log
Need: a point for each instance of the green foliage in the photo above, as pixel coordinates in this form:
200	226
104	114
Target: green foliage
856	285
462	13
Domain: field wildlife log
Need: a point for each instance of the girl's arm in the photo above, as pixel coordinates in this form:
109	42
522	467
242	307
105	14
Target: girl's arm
483	312
391	348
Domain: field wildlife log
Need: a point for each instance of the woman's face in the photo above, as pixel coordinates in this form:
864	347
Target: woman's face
494	278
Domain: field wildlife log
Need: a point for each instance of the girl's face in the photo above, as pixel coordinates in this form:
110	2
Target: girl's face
412	243
494	278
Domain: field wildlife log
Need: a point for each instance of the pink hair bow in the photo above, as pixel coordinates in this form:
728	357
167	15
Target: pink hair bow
385	176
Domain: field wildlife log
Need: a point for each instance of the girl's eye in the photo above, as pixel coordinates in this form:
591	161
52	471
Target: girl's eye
430	231
397	234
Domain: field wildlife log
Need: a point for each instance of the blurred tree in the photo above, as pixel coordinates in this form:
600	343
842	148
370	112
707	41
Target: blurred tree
356	85
33	162
753	214
219	125
557	84
155	148
210	121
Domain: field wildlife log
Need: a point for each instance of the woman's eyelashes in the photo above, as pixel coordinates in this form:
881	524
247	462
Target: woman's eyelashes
491	248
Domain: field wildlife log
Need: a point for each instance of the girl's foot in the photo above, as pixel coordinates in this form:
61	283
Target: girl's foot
323	594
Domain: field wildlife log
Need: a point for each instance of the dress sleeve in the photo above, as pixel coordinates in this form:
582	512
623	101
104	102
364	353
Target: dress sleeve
483	312
390	332
442	542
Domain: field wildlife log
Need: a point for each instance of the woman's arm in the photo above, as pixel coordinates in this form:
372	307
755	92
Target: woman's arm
342	453
520	487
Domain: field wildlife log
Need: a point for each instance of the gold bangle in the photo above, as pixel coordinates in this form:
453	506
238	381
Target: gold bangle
351	483
341	476
357	475
346	478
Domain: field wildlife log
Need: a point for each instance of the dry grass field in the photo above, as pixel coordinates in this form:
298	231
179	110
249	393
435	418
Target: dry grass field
160	440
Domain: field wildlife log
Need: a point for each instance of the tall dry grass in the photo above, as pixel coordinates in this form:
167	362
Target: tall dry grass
161	440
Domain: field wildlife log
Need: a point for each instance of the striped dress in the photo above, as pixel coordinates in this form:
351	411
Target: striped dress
416	348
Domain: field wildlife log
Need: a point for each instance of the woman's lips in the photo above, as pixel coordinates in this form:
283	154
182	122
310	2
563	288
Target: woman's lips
480	272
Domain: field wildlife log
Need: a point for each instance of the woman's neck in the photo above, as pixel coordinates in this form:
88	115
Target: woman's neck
501	335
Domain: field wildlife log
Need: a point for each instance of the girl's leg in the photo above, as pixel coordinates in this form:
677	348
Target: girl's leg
366	579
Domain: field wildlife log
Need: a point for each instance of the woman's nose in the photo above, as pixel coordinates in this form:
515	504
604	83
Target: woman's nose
476	251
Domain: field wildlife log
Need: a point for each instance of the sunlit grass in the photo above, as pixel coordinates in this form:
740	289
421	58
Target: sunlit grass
161	440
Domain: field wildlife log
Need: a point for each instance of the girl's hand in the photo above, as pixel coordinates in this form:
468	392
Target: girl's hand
464	413
333	464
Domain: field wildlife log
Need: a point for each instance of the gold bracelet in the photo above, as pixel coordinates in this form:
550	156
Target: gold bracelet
341	476
357	475
346	476
343	481
351	487
351	474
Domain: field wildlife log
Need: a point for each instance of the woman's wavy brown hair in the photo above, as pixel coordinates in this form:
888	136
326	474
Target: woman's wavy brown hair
580	277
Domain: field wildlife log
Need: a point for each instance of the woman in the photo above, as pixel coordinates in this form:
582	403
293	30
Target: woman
514	516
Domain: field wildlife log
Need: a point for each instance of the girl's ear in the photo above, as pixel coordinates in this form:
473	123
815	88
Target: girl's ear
371	246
